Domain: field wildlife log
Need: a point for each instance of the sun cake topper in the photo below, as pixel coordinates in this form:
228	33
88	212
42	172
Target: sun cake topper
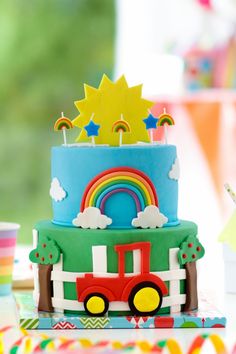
108	105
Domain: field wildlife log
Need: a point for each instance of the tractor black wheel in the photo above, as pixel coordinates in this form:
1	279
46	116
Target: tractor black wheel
96	304
145	299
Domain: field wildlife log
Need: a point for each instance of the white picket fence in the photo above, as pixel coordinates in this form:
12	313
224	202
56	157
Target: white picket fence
174	275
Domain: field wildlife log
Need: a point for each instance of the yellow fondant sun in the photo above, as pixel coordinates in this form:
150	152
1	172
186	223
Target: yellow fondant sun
109	103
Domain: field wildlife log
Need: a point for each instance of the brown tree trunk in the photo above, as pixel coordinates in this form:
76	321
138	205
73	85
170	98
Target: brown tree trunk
45	288
191	287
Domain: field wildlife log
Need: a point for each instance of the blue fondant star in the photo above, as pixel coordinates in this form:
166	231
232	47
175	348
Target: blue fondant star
151	122
92	128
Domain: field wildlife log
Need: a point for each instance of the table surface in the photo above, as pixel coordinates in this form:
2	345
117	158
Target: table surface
225	302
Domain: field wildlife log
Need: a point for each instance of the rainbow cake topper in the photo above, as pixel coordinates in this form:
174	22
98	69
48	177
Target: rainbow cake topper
121	126
109	103
63	123
165	120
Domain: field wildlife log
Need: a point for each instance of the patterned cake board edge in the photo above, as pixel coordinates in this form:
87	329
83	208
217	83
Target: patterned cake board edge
207	316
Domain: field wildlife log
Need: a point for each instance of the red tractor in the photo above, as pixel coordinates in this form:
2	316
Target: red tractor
143	292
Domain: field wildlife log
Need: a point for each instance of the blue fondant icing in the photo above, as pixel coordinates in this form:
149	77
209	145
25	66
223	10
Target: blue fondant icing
76	166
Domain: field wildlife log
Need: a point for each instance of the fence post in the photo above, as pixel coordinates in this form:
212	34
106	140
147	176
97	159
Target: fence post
35	270
174	287
58	287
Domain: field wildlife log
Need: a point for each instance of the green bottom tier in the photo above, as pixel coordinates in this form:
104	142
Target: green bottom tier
76	245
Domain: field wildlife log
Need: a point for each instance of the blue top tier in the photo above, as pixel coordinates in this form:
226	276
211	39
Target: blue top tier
120	199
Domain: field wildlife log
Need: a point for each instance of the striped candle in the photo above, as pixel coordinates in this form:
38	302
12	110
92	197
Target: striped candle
8	234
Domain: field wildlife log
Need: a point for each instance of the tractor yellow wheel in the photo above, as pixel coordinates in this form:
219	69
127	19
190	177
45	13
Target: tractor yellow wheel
145	299
96	304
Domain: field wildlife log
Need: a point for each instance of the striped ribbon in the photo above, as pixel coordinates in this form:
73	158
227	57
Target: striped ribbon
36	343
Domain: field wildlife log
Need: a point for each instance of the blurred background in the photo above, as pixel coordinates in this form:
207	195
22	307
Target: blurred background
48	50
184	52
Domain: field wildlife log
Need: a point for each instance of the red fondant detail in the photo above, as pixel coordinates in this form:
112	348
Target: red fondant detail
118	169
138	320
37	254
118	288
42	259
198	248
44	245
50	256
64	325
164	322
190	245
218	325
184	256
91	285
144	247
194	256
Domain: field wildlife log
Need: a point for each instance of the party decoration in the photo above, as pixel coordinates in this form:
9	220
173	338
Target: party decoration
91	218
119	179
151	123
121	126
228	234
92	130
63	124
45	254
175	170
151	218
56	192
231	192
43	343
108	103
215	339
165	120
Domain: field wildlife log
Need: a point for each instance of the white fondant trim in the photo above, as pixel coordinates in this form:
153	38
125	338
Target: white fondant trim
35	238
137	261
99	259
35	298
71	276
174	288
35	269
115	305
58	286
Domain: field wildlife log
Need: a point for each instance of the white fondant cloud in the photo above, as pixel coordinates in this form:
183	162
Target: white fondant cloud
150	218
175	170
91	218
56	191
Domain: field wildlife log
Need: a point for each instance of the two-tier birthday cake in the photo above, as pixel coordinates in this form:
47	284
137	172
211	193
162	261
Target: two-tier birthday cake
115	243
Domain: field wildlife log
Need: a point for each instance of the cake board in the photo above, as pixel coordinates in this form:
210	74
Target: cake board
207	316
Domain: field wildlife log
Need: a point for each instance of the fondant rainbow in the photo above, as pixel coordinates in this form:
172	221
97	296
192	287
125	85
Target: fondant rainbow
121	126
165	119
116	180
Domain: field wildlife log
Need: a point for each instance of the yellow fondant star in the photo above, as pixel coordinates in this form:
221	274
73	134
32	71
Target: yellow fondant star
109	103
